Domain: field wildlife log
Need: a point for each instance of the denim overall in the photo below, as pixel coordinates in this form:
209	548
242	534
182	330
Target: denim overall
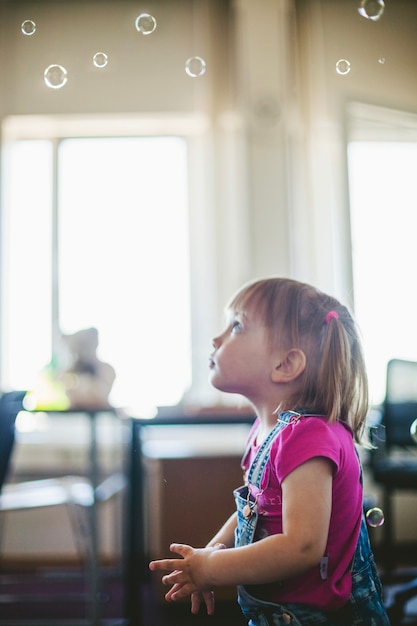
365	606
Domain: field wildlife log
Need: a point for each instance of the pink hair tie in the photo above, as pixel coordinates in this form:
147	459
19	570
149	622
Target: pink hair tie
331	315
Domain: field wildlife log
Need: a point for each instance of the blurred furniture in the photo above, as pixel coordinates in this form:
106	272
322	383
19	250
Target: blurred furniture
10	405
394	462
141	465
73	491
189	499
78	493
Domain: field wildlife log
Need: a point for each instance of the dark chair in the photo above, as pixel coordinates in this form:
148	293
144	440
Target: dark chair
394	465
10	405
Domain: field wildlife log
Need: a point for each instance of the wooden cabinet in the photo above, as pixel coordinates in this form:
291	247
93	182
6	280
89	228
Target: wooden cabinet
187	500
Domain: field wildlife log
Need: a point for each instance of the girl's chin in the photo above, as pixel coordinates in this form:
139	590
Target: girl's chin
215	382
219	385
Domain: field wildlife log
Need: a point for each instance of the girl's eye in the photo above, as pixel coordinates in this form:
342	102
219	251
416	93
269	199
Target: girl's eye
236	327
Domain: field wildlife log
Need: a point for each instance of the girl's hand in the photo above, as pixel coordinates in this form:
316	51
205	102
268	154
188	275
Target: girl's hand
189	575
197	598
202	596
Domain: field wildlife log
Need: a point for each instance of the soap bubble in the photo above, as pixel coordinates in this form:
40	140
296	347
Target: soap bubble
55	76
28	27
343	67
195	66
371	9
413	431
100	59
145	23
381	60
375	517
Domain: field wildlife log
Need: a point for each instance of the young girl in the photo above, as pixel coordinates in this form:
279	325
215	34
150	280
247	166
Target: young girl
297	547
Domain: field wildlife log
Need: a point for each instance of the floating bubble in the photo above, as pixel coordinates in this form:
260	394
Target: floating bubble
381	60
100	59
145	23
343	67
195	66
375	517
55	76
413	431
28	27
371	9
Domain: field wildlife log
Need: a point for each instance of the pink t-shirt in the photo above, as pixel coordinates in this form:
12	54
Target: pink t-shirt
298	442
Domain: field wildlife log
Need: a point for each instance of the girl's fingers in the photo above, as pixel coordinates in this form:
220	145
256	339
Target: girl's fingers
174	578
174	589
165	565
170	564
209	600
181	548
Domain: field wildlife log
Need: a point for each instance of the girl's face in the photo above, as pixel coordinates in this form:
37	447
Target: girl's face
242	357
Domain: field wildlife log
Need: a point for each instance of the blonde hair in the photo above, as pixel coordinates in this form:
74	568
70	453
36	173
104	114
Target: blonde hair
334	381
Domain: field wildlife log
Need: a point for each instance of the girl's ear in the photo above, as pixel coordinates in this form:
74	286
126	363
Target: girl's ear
292	364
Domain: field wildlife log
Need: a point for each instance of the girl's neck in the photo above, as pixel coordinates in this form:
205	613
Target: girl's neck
267	418
267	412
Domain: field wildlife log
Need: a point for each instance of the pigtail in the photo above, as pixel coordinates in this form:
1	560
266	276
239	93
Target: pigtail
332	373
360	401
342	373
334	381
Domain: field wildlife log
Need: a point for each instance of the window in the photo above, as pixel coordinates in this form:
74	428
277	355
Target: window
383	204
95	233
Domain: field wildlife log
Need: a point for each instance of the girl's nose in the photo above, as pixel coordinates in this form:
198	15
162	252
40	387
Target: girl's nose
216	342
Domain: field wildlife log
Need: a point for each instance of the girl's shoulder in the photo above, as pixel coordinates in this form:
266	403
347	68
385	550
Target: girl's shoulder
309	437
319	425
